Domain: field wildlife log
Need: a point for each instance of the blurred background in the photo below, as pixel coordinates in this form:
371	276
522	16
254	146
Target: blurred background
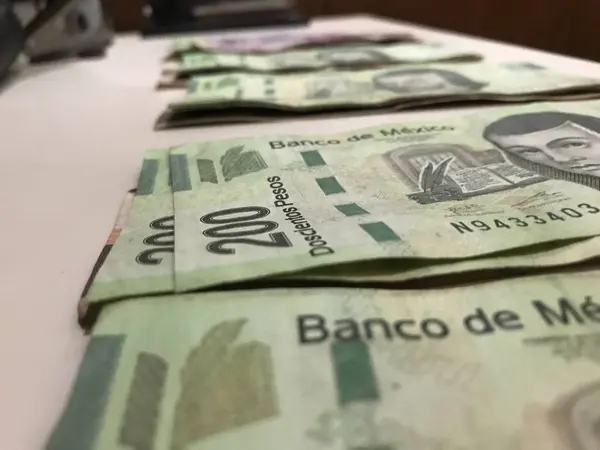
561	26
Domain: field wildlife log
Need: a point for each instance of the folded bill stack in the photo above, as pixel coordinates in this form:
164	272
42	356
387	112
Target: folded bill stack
420	285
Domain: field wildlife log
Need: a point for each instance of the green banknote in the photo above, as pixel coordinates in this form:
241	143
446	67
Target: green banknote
464	187
140	260
279	41
177	74
501	366
545	258
239	96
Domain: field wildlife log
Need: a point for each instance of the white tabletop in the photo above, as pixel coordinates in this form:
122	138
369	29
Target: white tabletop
72	138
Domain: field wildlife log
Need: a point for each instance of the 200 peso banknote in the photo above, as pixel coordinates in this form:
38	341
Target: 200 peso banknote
239	96
501	366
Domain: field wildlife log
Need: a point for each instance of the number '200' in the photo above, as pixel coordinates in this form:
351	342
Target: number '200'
234	225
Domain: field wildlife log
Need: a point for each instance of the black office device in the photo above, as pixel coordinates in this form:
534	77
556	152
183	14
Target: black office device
189	16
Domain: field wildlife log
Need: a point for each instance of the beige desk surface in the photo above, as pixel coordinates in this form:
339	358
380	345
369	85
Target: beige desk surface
72	135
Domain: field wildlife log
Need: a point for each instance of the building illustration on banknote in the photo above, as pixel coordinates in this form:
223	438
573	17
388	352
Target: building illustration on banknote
533	147
451	172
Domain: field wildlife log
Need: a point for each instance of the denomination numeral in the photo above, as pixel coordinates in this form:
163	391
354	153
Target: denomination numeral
163	242
216	218
225	231
234	224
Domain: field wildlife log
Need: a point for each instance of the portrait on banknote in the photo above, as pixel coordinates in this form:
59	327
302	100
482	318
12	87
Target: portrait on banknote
450	172
558	145
416	81
400	81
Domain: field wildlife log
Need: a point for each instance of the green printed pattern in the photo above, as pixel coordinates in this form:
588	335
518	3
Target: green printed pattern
142	414
351	209
140	260
313	158
207	172
80	422
180	175
147	177
232	381
354	375
356	384
380	232
330	185
237	162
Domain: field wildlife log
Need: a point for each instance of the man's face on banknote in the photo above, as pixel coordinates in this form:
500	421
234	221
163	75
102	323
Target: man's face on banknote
569	147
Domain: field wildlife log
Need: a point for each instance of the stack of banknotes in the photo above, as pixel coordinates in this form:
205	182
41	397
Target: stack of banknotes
421	285
177	74
229	81
252	97
281	41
